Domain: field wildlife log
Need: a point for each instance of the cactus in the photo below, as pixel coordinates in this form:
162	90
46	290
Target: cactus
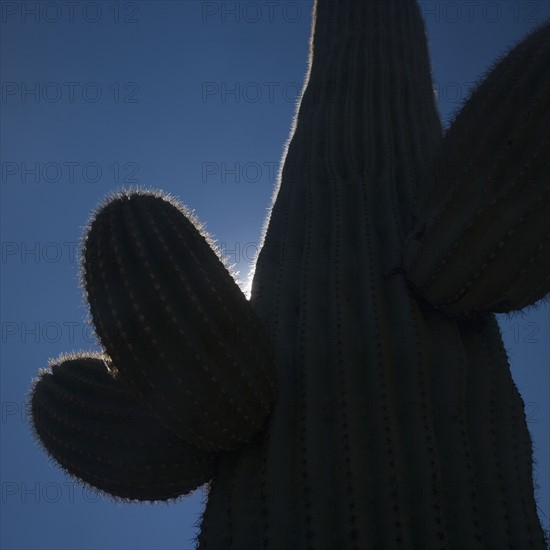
147	265
100	432
362	397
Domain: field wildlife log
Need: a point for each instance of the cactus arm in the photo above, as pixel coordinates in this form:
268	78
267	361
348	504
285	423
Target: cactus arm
483	242
103	434
175	324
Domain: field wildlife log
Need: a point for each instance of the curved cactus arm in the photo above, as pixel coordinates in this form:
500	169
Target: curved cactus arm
101	433
174	322
483	242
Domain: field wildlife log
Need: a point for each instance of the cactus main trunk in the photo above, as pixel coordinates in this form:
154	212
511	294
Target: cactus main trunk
394	426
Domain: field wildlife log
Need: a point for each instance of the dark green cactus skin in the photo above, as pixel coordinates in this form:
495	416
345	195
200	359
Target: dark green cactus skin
395	427
484	240
391	417
100	432
146	265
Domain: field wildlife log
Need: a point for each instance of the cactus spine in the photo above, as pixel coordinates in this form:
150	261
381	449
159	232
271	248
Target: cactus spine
391	418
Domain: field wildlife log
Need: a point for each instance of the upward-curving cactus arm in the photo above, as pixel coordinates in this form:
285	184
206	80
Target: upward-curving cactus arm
175	324
483	240
101	433
189	373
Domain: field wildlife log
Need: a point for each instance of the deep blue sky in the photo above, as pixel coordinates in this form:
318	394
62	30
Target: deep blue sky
188	95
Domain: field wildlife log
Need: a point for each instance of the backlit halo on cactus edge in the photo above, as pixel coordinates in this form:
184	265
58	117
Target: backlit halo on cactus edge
312	409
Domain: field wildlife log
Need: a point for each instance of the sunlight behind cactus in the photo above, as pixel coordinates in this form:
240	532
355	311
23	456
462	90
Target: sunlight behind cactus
312	407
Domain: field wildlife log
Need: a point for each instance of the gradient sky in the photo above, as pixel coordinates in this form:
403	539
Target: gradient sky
196	98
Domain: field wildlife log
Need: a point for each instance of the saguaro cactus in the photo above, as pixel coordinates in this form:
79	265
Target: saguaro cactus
362	398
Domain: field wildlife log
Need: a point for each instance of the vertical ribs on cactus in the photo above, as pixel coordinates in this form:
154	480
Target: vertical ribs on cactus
483	243
312	407
101	433
176	326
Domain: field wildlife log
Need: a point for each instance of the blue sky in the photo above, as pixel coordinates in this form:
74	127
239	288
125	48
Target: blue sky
196	98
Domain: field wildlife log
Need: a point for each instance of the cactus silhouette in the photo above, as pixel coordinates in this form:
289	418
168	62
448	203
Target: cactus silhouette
362	398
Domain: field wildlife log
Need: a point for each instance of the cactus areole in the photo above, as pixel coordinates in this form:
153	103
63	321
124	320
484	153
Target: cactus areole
362	398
